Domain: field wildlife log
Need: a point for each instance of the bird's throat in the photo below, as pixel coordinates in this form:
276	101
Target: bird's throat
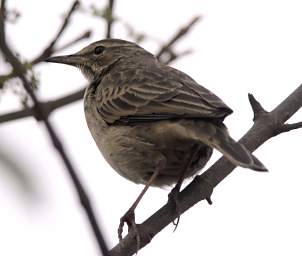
87	72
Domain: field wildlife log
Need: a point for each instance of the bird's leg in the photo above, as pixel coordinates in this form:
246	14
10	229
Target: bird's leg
129	216
173	195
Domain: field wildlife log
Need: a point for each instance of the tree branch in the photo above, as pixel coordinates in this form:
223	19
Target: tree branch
79	38
289	127
167	47
202	186
2	8
50	49
266	125
48	107
110	18
20	71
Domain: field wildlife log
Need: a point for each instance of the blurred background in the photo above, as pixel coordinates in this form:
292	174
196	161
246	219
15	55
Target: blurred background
237	47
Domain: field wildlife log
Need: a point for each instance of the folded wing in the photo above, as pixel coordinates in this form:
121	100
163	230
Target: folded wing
158	95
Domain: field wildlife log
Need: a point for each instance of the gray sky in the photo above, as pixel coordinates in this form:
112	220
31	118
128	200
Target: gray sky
239	47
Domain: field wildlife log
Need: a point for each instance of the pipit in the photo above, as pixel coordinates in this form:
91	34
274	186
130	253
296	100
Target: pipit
153	124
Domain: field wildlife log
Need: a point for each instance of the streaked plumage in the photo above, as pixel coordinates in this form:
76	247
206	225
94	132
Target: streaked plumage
155	92
145	115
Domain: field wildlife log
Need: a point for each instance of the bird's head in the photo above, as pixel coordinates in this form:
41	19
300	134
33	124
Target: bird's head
96	57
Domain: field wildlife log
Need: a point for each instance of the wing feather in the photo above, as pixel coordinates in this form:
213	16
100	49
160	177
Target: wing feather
158	95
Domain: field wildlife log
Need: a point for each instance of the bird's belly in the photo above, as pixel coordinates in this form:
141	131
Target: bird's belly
135	152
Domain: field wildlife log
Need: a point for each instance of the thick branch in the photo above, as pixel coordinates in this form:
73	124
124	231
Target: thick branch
2	8
48	107
202	186
39	113
289	127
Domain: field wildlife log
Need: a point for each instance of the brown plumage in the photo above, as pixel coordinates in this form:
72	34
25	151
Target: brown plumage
151	120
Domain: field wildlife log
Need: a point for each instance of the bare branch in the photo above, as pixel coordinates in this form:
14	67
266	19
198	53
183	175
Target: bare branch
110	18
202	186
173	56
182	31
288	127
48	51
79	38
4	78
20	71
48	107
2	8
86	34
11	116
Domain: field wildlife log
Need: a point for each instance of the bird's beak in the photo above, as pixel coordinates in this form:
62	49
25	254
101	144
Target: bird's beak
72	60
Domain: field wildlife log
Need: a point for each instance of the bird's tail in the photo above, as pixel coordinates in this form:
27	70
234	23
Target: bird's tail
217	136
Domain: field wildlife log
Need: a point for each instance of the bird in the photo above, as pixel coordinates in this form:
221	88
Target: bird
153	124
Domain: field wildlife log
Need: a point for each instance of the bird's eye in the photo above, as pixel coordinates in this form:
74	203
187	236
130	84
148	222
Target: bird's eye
98	50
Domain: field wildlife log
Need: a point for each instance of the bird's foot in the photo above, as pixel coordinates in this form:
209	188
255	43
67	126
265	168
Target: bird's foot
129	219
173	196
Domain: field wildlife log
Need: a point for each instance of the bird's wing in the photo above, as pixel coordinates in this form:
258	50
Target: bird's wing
150	96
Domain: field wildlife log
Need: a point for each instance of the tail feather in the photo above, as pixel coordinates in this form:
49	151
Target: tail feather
218	137
238	154
258	163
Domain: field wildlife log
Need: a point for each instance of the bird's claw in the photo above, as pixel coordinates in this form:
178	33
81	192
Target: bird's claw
129	219
173	196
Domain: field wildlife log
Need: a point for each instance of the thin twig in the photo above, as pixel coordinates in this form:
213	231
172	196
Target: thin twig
110	18
202	186
181	32
48	107
84	35
20	71
48	51
173	56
